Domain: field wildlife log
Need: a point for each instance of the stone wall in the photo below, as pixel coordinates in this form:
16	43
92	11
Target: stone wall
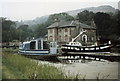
65	35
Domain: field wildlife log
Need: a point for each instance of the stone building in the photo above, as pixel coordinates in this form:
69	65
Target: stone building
63	32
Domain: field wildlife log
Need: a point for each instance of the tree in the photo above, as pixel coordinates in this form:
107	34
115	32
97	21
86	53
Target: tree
85	17
8	30
41	29
25	33
107	26
117	19
60	16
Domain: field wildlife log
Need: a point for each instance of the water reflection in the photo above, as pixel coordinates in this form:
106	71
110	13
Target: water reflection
78	59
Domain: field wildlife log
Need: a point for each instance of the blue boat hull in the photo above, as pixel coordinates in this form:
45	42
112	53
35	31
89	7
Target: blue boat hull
34	52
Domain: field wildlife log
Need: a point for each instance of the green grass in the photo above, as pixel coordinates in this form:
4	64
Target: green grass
19	67
15	66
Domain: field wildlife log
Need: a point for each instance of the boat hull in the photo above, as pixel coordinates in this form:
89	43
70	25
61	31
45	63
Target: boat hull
34	52
99	49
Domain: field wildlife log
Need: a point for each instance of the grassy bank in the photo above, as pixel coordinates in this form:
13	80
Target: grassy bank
15	66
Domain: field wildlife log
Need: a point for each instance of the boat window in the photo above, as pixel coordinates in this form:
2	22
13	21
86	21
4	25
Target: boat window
32	45
39	44
45	45
21	45
26	46
71	43
50	44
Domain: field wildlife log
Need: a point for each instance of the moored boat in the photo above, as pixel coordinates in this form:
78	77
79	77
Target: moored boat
34	47
75	47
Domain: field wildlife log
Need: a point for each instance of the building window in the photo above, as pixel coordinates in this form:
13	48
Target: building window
51	38
50	30
60	38
59	30
66	30
66	38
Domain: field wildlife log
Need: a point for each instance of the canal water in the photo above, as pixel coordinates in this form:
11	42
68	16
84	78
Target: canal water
88	69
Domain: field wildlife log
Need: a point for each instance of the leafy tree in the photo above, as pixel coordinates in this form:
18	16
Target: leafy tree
117	19
41	29
107	26
8	30
85	17
102	21
60	16
25	33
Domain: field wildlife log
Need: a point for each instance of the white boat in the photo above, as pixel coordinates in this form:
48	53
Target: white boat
105	48
78	48
34	47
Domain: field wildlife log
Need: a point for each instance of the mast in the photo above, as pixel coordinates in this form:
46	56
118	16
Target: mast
73	39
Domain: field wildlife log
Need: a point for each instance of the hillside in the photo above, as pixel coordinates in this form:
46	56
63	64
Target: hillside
43	19
105	9
38	20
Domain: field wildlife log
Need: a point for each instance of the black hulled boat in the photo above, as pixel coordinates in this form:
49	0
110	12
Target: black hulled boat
76	47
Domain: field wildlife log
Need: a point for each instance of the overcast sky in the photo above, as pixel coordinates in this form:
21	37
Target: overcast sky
30	9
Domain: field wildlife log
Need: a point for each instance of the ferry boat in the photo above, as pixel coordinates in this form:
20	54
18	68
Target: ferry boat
76	47
34	47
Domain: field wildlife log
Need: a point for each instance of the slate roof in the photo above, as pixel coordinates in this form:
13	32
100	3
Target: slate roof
86	26
70	24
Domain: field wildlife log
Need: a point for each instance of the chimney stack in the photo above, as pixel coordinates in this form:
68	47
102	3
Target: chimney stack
57	20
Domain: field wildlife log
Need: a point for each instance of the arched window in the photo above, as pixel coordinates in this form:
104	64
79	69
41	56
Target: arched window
84	38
